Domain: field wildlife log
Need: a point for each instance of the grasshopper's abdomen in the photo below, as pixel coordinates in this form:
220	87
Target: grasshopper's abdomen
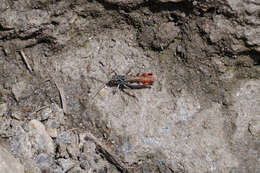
145	78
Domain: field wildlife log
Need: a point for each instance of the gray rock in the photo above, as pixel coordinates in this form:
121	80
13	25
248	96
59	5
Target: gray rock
44	160
9	164
52	132
166	34
46	113
253	37
21	89
40	137
63	137
11	19
58	114
21	145
3	109
55	118
66	164
254	128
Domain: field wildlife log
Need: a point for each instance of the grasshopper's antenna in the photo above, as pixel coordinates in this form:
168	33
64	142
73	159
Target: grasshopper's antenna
104	83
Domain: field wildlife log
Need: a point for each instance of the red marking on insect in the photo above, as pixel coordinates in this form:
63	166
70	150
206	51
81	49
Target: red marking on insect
145	79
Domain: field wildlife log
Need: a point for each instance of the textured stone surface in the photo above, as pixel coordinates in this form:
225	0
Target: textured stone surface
41	137
21	144
3	109
166	34
8	163
202	112
254	128
66	164
171	0
247	108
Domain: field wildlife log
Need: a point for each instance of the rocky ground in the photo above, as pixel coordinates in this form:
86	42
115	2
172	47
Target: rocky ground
201	115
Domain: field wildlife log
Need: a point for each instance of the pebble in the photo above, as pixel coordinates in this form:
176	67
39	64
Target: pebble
254	128
44	160
58	114
20	89
51	126
3	109
52	132
66	164
46	113
20	144
41	137
17	115
63	137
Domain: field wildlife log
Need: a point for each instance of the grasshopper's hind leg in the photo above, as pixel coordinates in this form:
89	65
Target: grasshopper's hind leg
127	93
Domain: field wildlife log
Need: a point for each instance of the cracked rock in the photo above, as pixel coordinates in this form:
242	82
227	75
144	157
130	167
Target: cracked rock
41	137
9	164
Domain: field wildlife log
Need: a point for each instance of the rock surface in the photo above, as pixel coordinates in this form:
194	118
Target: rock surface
8	163
3	109
40	137
201	113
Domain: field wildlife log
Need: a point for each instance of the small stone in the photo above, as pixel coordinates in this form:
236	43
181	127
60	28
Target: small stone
52	132
58	114
66	164
51	126
20	144
20	90
3	109
44	160
84	164
254	128
46	113
55	117
41	137
63	137
253	36
9	164
17	115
